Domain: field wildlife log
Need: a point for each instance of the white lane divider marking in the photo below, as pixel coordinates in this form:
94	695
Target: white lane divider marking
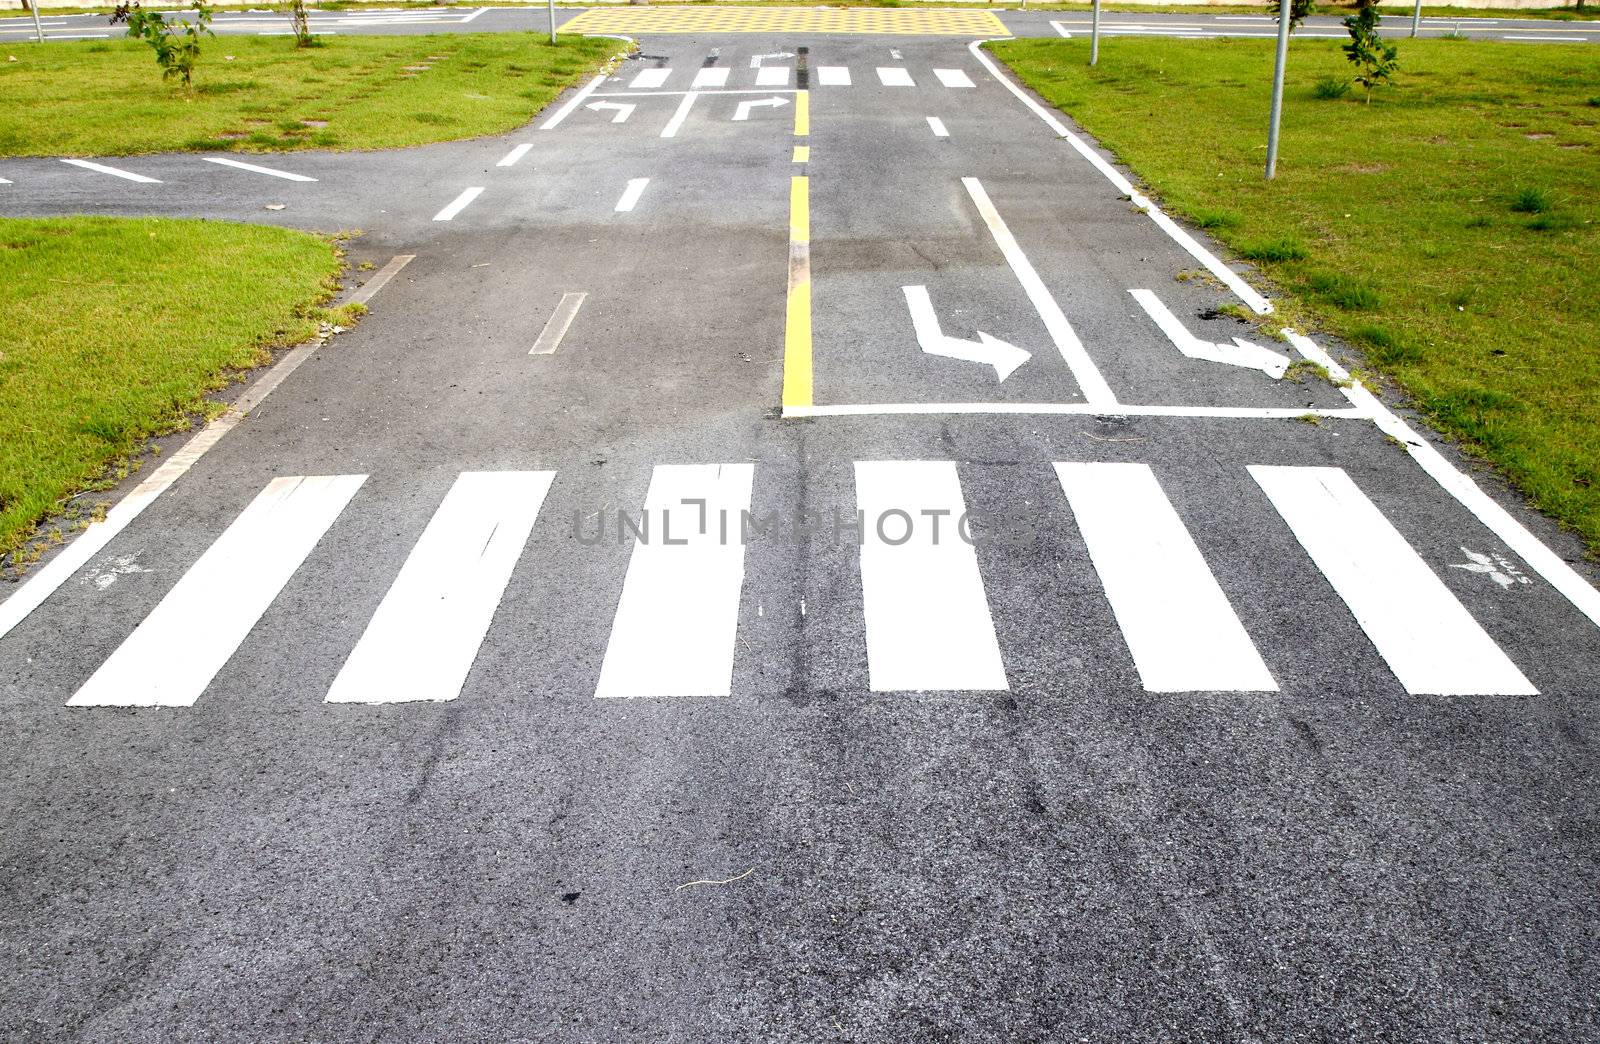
421	642
936	125
5	181
115	172
954	78
1084	371
987	350
742	111
285	175
1239	353
833	76
559	322
1061	29
623	109
894	76
572	103
772	76
679	115
1067	409
678	619
1246	293
649	79
381	278
631	194
927	618
458	204
515	154
1181	631
711	76
1421	630
171	657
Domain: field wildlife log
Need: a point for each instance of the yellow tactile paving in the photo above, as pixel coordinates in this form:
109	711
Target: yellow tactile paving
642	20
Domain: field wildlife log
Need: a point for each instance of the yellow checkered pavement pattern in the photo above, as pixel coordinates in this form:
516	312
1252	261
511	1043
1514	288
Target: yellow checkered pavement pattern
634	21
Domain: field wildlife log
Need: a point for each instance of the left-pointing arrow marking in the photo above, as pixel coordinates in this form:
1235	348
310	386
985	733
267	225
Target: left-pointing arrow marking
624	109
743	111
990	351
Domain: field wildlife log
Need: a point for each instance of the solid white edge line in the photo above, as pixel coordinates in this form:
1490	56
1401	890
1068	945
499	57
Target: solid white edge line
473	15
460	203
380	279
285	175
572	103
510	159
1257	303
1076	409
630	195
115	172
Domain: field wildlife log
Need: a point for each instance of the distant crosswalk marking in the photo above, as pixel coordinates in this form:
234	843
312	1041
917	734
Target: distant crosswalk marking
1422	631
711	76
833	75
772	76
649	79
894	76
1181	631
953	77
927	618
172	656
678	618
421	642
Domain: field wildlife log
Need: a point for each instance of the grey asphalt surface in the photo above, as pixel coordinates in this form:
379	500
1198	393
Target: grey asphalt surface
1072	859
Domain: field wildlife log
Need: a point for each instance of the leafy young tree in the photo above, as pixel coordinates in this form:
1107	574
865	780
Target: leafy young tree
177	45
300	24
1375	59
1298	9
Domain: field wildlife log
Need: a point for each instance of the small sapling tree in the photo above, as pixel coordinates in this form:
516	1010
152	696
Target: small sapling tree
1375	59
177	44
300	24
1298	9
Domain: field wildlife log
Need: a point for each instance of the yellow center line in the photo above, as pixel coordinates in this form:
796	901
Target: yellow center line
797	317
802	114
802	154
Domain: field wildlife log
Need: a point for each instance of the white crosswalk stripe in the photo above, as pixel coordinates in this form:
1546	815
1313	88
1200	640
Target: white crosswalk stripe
172	656
833	76
678	617
1180	629
894	76
1422	631
953	77
711	76
422	640
772	76
649	79
927	618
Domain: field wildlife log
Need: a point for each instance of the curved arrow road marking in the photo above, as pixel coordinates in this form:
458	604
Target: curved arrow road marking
624	109
1239	353
743	111
990	351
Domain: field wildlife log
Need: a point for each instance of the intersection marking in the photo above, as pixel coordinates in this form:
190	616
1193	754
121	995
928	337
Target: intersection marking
637	21
285	175
425	634
116	172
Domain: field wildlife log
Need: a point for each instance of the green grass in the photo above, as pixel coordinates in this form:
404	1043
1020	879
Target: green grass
1451	229
116	328
108	98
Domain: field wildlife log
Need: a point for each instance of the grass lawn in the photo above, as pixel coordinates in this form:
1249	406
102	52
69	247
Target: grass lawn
1450	229
116	329
260	93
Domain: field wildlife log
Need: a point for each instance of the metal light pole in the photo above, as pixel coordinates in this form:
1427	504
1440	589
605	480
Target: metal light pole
552	21
1094	35
33	5
1416	19
1277	87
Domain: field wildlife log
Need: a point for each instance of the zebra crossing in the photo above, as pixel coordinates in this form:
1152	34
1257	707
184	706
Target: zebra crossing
723	77
925	612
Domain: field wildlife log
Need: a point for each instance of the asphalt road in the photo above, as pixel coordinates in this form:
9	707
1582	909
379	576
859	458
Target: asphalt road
1200	24
1173	750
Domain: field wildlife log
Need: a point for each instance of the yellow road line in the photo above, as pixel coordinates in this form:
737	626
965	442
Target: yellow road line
802	113
638	20
802	153
797	317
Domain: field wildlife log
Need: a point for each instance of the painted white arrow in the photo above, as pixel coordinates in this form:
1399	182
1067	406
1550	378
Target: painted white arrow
756	60
743	111
624	109
1239	353
990	351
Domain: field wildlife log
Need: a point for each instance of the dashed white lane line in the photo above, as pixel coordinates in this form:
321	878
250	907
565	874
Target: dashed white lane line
649	79
675	124
1061	29
772	76
572	103
422	640
171	657
1084	370
459	204
101	168
928	625
936	125
711	76
1422	631
253	168
556	327
677	621
953	77
1181	631
5	181
510	159
630	195
833	76
894	76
